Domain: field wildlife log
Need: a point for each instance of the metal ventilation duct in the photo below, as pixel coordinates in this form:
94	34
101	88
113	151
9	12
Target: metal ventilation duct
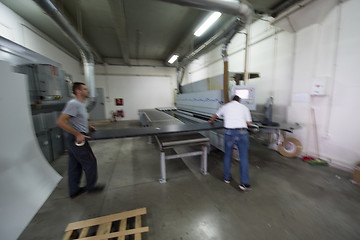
240	9
216	39
84	48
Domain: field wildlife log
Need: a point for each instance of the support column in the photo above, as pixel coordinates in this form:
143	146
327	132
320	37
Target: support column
204	160
163	167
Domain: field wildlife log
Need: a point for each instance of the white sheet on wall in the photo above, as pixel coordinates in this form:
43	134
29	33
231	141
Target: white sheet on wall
26	178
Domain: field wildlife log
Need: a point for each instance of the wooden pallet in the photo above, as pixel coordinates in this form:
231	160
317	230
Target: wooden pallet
115	226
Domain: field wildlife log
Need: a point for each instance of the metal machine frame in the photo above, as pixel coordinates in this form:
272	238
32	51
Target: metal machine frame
169	142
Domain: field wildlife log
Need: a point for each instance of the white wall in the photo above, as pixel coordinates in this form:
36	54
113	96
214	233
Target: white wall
264	57
140	88
289	63
330	50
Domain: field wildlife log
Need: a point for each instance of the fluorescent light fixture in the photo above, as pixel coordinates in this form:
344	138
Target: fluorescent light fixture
173	59
208	22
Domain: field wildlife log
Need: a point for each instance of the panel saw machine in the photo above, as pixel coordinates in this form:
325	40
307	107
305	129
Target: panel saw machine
198	107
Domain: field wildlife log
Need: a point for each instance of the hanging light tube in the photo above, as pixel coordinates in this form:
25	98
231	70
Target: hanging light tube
173	59
208	22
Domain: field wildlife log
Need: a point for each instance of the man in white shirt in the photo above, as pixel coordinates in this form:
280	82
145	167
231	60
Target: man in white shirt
236	120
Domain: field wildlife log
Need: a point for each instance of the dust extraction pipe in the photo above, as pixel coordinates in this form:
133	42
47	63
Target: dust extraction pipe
224	55
85	51
218	37
241	9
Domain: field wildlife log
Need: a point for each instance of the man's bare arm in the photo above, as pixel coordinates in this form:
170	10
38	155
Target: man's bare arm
63	122
213	118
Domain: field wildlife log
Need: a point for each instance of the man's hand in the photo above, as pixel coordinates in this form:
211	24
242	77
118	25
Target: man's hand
92	128
212	119
80	138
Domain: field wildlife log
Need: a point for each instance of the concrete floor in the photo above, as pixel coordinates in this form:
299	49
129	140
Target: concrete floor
290	199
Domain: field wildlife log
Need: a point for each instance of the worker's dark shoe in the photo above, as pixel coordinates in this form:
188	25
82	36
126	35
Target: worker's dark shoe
97	188
245	187
226	181
78	193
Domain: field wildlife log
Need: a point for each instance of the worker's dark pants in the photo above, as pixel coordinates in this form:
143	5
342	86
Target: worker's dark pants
80	159
241	139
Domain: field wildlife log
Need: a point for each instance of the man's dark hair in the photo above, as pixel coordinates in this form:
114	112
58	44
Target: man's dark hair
77	85
236	98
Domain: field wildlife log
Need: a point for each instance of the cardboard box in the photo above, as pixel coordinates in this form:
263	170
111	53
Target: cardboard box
356	174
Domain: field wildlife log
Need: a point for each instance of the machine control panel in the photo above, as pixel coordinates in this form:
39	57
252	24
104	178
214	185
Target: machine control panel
247	95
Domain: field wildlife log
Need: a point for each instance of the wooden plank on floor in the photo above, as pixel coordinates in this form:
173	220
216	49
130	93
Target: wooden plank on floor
104	228
105	219
84	232
123	224
138	225
67	235
117	234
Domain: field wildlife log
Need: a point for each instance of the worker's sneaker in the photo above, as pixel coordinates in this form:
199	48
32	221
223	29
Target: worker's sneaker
245	187
226	181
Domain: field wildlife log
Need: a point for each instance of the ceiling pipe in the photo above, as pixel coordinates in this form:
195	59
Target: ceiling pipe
246	75
222	36
241	9
81	44
217	38
224	55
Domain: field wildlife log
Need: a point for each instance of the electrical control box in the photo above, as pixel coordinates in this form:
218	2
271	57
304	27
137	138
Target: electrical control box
49	82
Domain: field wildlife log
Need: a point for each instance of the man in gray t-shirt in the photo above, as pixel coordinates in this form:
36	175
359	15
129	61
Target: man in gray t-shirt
77	110
74	121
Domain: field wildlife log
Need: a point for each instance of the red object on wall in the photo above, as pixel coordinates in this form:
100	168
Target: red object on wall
117	114
54	70
120	113
118	101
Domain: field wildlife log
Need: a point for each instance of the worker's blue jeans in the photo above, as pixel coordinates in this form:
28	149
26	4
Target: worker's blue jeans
80	159
241	139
